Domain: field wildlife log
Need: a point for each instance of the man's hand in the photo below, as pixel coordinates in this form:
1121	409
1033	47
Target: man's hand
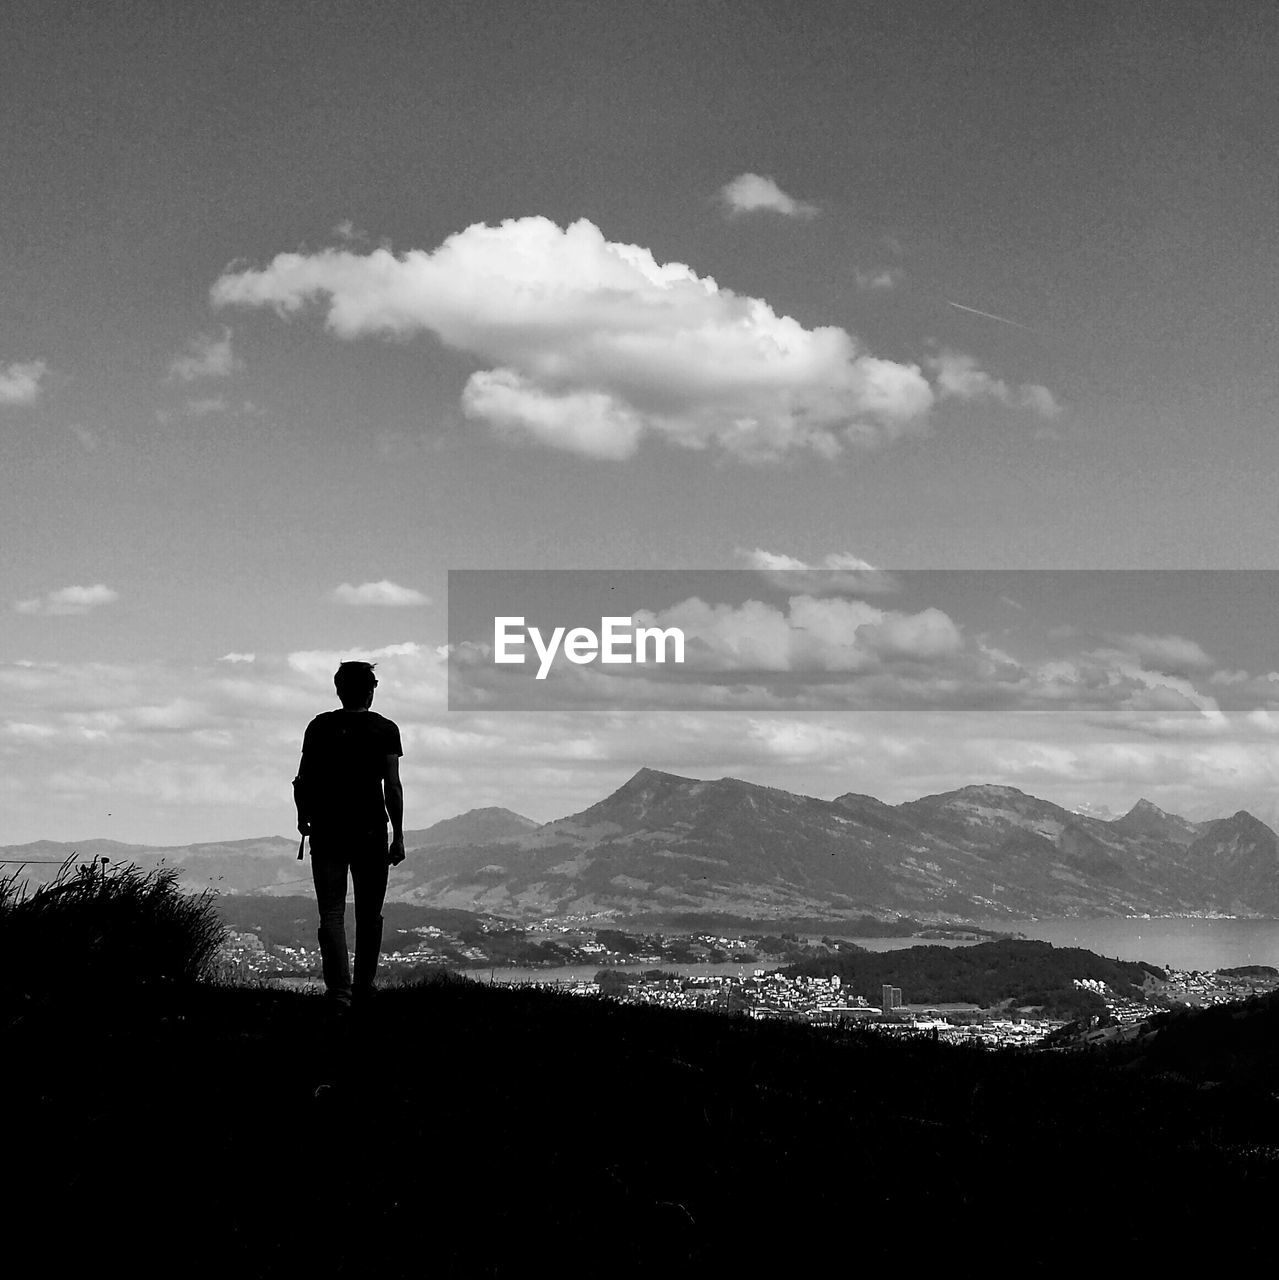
396	853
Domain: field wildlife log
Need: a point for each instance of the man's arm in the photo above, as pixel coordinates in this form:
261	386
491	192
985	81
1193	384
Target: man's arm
300	784
394	792
299	790
299	799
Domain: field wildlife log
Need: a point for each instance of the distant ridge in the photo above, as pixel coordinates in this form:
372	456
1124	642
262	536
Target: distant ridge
665	844
475	826
662	845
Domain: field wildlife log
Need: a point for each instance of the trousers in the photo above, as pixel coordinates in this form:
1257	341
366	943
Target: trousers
364	856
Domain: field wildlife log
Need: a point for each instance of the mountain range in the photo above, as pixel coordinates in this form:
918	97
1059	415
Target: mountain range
661	846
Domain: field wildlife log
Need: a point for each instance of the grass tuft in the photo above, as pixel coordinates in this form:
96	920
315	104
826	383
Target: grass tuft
96	924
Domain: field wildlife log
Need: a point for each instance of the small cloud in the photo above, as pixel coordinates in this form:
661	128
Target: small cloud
238	657
68	600
959	378
20	382
838	573
761	559
877	281
349	233
206	356
379	593
751	193
1039	399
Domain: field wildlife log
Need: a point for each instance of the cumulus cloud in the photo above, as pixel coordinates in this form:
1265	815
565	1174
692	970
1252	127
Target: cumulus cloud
389	594
813	634
752	193
20	382
592	344
959	378
68	600
206	356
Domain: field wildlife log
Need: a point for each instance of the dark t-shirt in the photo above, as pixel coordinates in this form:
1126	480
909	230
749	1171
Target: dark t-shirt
343	763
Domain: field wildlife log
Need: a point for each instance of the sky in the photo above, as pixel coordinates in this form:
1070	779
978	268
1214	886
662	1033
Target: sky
306	305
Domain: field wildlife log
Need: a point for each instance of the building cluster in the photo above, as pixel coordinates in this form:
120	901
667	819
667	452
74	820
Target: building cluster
822	1002
1181	987
1196	987
767	994
1123	1010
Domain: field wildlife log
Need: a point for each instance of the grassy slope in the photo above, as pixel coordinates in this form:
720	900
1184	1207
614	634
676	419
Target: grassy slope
458	1130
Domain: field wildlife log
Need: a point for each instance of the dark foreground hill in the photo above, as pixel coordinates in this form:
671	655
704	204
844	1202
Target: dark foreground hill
461	1130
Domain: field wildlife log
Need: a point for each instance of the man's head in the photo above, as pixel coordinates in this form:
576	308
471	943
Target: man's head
355	683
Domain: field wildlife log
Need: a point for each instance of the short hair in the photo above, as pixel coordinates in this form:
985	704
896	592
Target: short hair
354	681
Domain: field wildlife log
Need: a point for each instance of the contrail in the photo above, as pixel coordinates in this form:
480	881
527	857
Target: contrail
959	306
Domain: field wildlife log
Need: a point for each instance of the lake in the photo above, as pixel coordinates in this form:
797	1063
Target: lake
1172	942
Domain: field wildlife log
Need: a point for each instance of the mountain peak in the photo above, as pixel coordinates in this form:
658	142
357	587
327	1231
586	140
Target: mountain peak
1245	821
1148	820
1144	808
646	775
646	780
1241	822
475	826
984	793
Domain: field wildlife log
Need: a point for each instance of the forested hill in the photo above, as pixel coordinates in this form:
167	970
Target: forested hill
1025	972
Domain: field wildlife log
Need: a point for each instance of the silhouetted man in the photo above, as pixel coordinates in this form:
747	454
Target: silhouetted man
347	785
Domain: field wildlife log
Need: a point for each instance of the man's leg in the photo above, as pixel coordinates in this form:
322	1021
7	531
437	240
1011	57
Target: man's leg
328	871
368	876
